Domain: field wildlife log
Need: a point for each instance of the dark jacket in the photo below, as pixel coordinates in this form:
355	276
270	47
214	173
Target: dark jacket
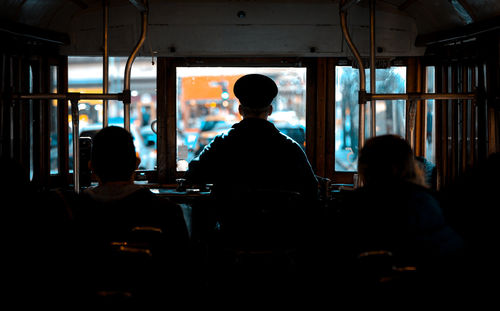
404	218
112	213
129	239
254	154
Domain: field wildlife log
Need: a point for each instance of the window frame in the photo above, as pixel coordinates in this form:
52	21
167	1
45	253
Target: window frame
320	106
167	103
413	84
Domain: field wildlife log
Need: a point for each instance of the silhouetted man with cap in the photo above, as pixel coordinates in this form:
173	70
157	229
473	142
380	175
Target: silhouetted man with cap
261	178
254	154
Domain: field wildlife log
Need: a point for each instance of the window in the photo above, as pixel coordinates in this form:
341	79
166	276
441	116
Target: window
206	105
430	133
85	76
31	123
390	114
54	154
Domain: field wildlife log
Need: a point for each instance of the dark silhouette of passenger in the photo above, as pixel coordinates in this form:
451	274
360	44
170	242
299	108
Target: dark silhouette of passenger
470	203
118	215
393	215
117	203
36	235
254	153
262	180
17	229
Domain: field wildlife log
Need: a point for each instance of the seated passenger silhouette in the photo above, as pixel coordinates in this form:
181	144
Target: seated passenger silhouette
469	200
393	212
116	205
117	210
470	204
259	176
254	153
253	161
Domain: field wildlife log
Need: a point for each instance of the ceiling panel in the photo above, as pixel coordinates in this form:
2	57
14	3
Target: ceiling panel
429	15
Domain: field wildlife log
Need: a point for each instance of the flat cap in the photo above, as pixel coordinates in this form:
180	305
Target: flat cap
255	90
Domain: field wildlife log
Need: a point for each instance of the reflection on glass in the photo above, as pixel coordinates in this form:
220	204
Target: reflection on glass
206	105
390	114
85	76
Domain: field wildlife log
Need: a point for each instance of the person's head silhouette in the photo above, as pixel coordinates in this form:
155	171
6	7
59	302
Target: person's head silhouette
255	93
113	155
387	159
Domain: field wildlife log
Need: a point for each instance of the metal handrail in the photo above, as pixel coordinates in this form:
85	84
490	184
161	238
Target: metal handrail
130	60
105	62
421	96
69	96
362	78
76	97
373	70
372	97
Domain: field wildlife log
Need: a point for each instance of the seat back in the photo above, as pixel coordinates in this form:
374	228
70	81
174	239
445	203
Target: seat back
254	247
260	219
382	273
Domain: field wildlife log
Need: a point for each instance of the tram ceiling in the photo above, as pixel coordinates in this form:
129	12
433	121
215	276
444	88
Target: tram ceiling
284	27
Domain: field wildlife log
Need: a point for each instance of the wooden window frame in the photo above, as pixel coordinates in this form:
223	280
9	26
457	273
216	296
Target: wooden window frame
167	101
320	107
413	84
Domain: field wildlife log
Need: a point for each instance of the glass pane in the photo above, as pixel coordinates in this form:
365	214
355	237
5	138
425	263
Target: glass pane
85	76
390	115
206	105
54	155
430	105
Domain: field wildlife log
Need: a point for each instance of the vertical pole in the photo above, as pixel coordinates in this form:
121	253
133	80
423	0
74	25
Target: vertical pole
76	147
105	60
373	69
362	77
11	107
465	123
410	127
126	116
473	118
128	68
5	119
